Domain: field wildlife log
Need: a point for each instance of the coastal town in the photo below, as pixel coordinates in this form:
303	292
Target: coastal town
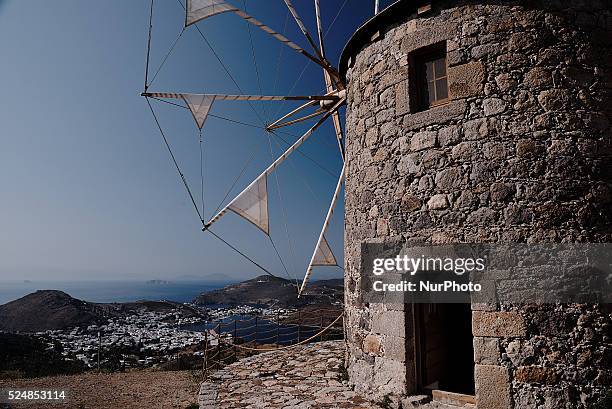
147	338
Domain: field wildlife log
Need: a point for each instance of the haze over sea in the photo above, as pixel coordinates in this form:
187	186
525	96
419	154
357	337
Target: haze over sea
110	291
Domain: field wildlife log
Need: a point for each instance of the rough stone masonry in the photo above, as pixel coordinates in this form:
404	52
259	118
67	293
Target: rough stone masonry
521	153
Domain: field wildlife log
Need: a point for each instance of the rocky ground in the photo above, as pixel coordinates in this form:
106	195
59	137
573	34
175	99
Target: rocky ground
304	377
129	390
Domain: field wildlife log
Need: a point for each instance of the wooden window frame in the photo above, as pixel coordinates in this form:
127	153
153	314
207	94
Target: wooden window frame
419	83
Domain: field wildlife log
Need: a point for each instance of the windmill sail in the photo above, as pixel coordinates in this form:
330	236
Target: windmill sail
323	255
199	105
329	86
232	97
252	204
269	170
300	24
200	9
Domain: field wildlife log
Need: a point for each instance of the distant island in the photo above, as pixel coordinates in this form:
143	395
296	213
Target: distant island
159	282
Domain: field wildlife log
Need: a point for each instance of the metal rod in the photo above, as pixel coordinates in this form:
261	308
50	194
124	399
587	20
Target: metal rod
376	7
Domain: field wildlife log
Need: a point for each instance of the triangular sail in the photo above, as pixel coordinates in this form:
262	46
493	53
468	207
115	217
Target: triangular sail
199	105
252	204
323	255
200	9
273	166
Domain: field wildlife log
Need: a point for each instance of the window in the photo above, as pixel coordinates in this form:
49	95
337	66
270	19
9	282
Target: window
429	68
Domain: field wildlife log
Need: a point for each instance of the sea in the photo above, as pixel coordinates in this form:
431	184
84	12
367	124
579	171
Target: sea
111	291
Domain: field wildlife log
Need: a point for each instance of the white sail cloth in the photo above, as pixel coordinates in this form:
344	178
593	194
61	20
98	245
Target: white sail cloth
324	256
252	204
200	9
199	105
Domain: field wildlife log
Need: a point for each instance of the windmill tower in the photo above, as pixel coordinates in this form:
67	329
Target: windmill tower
479	122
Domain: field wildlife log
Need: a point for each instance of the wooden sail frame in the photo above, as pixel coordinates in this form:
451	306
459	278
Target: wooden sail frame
329	105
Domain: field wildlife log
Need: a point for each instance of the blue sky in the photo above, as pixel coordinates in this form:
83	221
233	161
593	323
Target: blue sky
88	189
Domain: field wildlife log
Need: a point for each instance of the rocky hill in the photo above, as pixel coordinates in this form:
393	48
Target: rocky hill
273	291
53	309
48	309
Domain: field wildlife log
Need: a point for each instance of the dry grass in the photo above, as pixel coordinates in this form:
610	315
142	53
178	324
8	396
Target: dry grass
129	390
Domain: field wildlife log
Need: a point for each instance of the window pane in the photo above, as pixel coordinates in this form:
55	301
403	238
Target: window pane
440	67
442	89
431	92
429	71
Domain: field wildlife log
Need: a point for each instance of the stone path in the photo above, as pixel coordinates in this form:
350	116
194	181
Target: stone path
304	377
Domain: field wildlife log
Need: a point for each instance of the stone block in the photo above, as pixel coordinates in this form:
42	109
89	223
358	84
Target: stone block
402	101
482	217
389	323
449	135
554	99
538	77
493	106
437	202
410	203
423	140
536	374
449	178
428	35
479	128
466	80
437	115
492	387
498	324
390	376
501	192
486	351
372	344
395	348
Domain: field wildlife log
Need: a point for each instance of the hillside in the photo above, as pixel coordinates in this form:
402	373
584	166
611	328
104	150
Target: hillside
52	309
48	309
268	290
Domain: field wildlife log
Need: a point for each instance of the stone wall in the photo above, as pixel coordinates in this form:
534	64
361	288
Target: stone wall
520	154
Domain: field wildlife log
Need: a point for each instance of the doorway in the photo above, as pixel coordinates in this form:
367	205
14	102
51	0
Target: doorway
444	347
